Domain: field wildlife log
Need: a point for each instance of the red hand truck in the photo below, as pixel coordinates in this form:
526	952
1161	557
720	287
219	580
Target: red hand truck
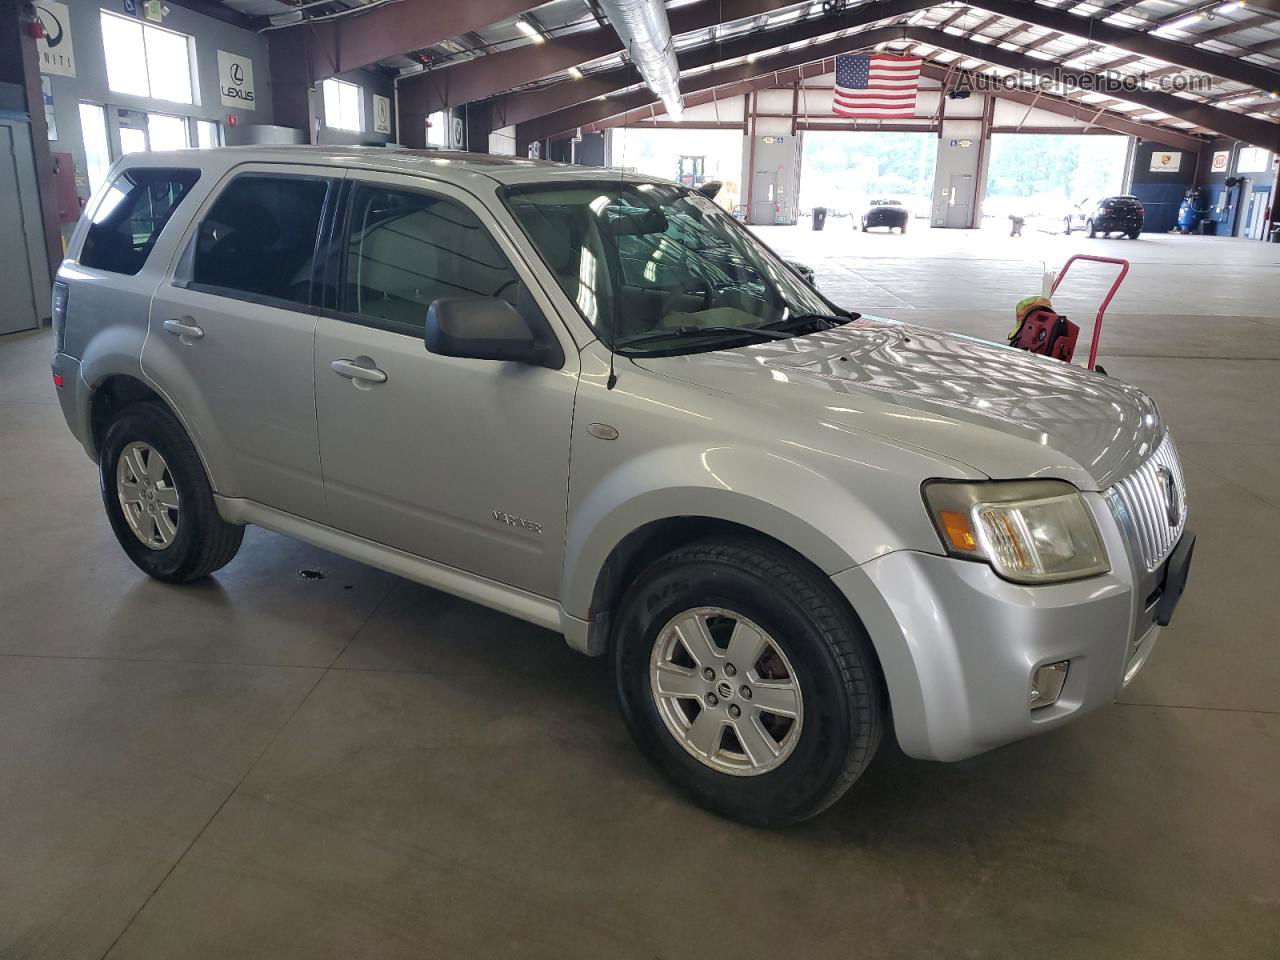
1106	301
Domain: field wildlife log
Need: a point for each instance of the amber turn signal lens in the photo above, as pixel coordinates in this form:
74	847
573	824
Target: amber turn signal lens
959	530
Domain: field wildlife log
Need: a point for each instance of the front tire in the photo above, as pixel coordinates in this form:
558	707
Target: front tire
1067	226
158	498
744	677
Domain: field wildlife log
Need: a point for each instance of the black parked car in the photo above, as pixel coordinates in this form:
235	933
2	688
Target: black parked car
886	213
1121	214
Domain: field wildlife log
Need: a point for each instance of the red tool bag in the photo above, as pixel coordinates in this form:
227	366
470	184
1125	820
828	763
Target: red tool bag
1042	331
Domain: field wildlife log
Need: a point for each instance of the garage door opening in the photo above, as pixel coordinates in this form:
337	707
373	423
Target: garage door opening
690	157
845	171
1043	176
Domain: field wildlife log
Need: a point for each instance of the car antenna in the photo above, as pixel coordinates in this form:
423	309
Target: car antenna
612	381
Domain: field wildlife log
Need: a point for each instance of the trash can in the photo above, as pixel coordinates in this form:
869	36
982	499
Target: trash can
819	217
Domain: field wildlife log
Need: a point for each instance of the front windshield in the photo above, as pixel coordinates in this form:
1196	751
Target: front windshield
641	259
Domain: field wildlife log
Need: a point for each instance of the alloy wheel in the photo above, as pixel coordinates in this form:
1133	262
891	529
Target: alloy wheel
726	691
147	495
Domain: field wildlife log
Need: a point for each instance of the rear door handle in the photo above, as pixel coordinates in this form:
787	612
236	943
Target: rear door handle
354	371
186	328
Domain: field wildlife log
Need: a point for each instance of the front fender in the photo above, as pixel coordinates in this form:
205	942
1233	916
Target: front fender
778	496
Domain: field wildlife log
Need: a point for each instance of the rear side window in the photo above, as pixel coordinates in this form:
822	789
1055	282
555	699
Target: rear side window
133	211
406	249
258	240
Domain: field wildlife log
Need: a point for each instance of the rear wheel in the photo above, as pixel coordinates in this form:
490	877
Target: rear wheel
158	498
1133	234
1089	227
746	680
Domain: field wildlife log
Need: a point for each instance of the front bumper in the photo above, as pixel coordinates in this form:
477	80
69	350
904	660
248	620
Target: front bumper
958	644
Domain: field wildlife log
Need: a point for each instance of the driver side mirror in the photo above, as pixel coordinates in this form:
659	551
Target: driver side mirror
486	328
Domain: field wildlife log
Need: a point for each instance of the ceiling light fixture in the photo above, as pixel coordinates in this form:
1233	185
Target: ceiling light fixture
530	31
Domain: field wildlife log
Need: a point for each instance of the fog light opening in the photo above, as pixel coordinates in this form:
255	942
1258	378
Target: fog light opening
1047	682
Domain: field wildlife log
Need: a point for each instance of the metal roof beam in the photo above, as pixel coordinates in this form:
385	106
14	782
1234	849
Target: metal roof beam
1229	123
318	48
460	83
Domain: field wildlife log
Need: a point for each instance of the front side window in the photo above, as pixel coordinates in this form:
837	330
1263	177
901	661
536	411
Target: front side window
641	260
342	105
145	60
259	238
407	249
130	217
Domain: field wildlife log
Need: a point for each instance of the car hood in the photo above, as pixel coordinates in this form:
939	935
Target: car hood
1001	411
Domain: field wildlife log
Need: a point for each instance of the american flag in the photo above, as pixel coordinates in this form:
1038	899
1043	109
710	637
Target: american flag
877	87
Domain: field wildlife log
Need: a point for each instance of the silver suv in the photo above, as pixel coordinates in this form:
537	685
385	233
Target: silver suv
596	402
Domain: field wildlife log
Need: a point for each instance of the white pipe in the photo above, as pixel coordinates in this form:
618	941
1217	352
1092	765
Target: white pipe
642	26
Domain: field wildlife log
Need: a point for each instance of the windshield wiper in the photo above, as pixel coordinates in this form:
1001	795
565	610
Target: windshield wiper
689	330
818	321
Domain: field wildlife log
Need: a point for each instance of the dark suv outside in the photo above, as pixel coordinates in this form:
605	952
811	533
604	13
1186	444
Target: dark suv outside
1122	214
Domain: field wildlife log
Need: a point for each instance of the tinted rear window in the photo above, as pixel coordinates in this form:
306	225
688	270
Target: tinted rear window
134	210
259	238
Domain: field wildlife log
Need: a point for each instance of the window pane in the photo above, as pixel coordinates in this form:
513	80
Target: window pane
332	111
207	134
132	141
132	214
260	236
168	65
408	249
97	154
125	54
341	105
166	133
351	107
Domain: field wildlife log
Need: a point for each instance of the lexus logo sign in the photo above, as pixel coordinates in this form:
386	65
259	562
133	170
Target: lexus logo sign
235	81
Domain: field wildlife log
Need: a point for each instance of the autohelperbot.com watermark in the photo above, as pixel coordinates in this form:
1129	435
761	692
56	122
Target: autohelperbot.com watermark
1110	82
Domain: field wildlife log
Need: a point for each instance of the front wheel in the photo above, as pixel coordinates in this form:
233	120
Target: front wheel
746	680
1066	229
158	498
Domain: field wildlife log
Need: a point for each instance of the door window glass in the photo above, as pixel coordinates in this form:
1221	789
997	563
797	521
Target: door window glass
131	215
259	238
407	249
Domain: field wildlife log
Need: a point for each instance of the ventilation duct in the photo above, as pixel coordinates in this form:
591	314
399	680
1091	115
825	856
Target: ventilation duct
642	26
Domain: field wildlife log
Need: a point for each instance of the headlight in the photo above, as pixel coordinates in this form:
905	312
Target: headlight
1030	531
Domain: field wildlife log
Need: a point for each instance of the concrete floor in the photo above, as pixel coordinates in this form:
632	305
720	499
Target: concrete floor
262	765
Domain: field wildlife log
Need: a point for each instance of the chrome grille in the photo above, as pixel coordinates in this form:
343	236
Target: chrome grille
1147	500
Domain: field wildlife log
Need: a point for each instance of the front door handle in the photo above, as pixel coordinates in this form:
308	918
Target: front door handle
186	328
354	371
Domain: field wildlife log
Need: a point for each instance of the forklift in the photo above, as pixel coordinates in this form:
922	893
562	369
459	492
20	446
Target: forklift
692	171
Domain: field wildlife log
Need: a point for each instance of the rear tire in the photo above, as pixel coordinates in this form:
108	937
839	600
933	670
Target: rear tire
687	614
1089	226
1133	234
159	500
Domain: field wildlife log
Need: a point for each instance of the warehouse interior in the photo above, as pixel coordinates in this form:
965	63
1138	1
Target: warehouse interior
303	755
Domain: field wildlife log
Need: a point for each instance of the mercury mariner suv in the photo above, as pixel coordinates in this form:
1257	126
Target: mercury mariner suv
596	402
